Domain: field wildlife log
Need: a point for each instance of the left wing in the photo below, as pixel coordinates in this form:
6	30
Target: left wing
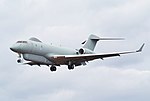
88	57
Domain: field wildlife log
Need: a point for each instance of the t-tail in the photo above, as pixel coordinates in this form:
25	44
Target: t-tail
92	40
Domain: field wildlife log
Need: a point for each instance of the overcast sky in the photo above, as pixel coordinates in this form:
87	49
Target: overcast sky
68	23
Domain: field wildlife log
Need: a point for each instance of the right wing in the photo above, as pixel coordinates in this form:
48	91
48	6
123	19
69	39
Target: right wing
89	57
64	59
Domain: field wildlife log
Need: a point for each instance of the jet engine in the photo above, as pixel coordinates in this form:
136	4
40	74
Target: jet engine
85	51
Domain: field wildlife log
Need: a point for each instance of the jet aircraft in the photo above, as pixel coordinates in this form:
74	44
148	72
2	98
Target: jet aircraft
35	52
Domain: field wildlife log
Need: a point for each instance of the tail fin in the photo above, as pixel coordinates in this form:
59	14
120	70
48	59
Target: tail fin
91	42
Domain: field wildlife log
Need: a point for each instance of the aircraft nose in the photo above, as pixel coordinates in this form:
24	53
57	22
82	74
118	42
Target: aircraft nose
14	48
11	48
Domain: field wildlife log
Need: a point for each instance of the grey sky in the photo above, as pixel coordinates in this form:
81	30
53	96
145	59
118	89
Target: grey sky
69	22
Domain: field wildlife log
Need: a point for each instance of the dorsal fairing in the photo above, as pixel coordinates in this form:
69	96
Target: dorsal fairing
35	39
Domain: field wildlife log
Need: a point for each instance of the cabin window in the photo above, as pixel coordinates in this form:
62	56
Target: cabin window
41	47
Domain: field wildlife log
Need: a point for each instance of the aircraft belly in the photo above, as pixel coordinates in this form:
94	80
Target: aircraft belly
58	60
36	58
62	60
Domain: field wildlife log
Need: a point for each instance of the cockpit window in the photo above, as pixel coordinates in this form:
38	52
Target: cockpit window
21	41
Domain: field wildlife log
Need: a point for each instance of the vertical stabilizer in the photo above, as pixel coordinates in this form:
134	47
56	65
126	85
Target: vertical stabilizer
91	42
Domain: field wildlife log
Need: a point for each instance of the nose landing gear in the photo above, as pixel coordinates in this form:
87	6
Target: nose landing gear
19	60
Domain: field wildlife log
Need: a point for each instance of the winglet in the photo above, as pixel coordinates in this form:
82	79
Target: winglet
141	48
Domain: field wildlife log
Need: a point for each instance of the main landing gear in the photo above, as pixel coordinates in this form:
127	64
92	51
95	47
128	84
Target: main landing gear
70	67
53	68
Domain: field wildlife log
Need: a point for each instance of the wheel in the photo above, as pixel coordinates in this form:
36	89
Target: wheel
53	68
19	60
70	67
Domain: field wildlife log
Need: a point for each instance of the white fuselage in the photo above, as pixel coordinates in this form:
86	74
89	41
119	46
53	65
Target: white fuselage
39	52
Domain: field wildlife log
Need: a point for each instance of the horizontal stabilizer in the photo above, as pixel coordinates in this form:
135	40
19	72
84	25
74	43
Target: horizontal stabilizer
106	39
111	38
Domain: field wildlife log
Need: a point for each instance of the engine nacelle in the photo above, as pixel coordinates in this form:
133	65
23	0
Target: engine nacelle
85	51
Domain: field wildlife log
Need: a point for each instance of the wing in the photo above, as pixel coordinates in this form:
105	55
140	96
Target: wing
89	57
79	59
